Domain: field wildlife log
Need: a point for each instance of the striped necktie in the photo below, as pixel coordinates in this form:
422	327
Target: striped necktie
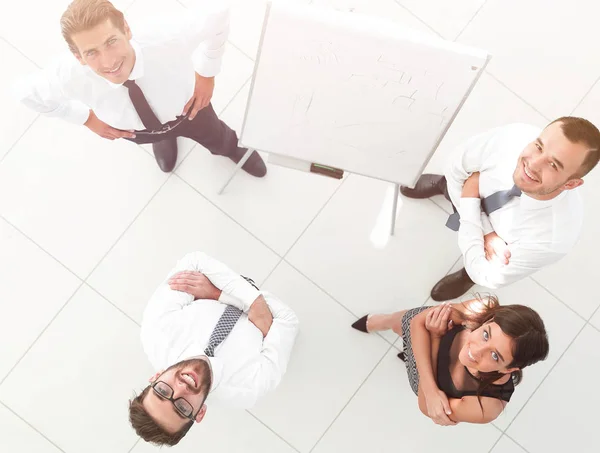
224	326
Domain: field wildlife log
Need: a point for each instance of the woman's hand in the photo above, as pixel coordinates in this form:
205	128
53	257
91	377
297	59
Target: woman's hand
438	320
438	407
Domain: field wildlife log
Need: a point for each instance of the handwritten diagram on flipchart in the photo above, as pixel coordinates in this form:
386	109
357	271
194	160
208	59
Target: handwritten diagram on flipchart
349	96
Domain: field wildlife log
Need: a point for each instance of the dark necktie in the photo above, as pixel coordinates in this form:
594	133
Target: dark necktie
141	106
497	200
224	326
489	204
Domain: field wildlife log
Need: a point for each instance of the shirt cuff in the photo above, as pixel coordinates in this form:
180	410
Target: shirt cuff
486	225
76	113
470	211
207	67
228	299
244	300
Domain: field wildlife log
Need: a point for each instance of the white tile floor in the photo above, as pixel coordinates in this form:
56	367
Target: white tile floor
89	227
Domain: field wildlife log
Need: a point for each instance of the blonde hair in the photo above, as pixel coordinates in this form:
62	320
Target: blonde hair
82	15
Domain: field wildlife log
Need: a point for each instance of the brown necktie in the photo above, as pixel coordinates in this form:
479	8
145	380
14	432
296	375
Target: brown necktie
141	106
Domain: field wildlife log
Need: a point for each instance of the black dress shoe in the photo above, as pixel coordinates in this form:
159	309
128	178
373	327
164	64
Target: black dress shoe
427	186
165	153
254	165
402	356
452	286
361	324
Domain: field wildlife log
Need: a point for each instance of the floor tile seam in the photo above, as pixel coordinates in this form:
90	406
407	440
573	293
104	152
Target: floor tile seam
13	146
585	95
135	444
112	304
529	104
422	21
399	339
594	313
279	436
50	255
566	305
23	54
229	40
229	216
41	333
317	214
30	425
512	439
333	298
457	37
127	228
544	379
239	90
232	44
497	441
384	355
510	89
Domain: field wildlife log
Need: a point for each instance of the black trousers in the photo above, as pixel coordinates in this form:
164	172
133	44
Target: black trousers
444	186
206	128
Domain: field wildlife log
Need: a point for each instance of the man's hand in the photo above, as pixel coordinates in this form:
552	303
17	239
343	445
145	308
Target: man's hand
196	284
104	130
496	248
260	315
471	187
438	320
203	92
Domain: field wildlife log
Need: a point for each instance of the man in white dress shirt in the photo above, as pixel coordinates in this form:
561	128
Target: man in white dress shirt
517	206
214	337
150	86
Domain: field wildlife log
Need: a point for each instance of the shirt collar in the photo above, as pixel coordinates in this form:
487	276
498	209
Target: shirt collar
138	67
532	204
216	366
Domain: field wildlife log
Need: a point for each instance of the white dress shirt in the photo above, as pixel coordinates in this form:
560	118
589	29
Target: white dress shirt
245	366
168	51
537	232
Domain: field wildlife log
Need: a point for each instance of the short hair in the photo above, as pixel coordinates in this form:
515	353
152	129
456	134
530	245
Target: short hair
147	428
82	15
580	130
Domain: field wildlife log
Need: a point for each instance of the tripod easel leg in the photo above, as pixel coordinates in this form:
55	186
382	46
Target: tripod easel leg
239	165
395	207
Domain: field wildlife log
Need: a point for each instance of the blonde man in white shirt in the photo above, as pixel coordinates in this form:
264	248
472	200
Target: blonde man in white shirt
150	86
214	337
517	206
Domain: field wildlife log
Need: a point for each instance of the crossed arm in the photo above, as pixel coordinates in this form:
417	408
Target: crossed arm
426	330
198	276
489	260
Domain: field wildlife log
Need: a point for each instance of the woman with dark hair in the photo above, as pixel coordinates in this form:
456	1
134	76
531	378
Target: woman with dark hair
463	360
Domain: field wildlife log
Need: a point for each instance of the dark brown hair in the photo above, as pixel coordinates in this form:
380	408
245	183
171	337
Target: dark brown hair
82	15
579	130
522	324
147	428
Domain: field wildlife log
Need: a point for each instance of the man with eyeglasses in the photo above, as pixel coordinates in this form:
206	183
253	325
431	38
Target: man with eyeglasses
150	86
212	335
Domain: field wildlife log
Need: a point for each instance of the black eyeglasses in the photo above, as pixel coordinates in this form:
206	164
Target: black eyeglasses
182	406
